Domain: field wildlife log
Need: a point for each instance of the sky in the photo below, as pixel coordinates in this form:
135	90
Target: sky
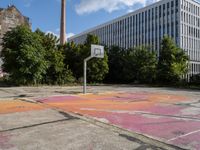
81	14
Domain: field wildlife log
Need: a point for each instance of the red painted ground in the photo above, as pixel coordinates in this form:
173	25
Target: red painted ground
166	117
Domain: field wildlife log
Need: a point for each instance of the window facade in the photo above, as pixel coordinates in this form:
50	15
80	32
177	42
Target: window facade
190	33
179	19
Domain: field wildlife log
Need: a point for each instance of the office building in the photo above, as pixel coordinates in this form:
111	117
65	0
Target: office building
179	19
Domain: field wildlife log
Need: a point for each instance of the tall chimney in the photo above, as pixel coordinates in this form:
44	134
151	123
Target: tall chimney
63	23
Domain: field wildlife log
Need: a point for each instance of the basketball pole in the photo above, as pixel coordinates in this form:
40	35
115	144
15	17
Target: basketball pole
85	74
96	51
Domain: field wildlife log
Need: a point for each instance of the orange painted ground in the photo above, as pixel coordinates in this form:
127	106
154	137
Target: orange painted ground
12	106
112	101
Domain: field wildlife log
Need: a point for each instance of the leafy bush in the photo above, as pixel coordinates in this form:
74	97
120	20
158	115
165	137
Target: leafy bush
144	62
23	56
75	55
195	79
34	58
131	65
172	63
120	67
57	72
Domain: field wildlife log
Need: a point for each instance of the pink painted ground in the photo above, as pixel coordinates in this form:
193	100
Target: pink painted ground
162	116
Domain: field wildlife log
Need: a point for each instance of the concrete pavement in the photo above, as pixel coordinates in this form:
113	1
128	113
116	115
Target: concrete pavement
40	118
171	118
47	91
46	128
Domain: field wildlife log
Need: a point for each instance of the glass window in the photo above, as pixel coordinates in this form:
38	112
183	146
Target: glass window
163	10
172	29
160	11
149	14
152	14
156	12
172	3
176	3
142	17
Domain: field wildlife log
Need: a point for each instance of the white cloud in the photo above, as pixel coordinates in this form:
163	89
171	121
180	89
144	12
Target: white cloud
50	32
27	3
89	6
130	10
68	35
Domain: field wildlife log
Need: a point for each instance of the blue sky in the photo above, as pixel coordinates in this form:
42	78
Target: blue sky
81	14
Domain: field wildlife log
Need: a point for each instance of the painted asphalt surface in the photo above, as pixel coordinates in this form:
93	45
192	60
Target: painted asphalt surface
48	129
28	125
171	118
168	115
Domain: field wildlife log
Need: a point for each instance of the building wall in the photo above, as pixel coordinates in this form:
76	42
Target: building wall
145	26
190	33
10	18
179	19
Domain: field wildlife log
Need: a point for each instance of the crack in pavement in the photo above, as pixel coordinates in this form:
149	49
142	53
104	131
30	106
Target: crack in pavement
66	115
35	125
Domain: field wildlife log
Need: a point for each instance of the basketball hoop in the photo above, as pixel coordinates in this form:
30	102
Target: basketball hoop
97	51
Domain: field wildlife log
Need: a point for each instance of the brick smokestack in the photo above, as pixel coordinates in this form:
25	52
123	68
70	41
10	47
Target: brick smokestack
63	23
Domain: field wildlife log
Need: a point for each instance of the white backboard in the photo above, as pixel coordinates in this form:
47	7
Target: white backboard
97	51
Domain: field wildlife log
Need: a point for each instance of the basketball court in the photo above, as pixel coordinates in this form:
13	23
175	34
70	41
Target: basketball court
171	118
169	115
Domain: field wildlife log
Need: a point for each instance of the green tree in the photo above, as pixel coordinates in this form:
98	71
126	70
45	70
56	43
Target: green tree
23	56
49	40
131	65
195	79
97	68
75	55
144	63
57	72
172	63
120	66
73	58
